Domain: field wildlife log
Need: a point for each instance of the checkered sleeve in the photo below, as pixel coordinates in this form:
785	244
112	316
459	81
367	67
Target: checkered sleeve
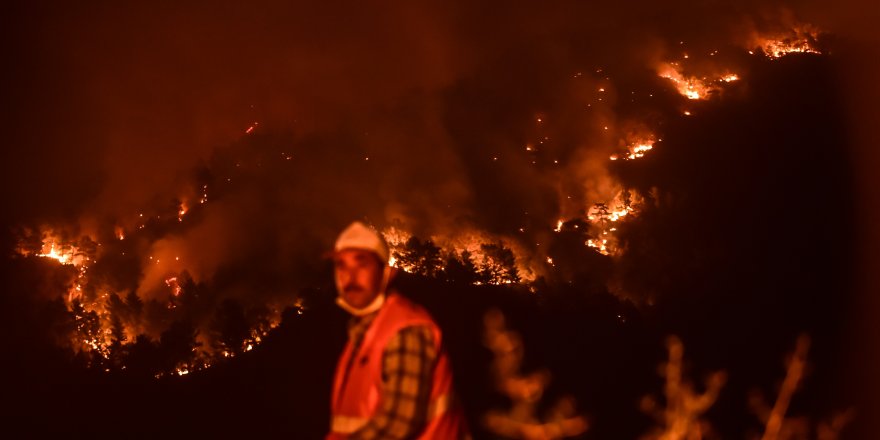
407	368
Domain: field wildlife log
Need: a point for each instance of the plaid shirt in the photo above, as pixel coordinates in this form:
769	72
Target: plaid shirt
407	369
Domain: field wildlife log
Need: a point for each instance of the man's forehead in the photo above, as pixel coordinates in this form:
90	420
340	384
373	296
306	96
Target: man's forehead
354	254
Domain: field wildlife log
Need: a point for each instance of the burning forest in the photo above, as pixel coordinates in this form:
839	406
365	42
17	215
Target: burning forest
574	200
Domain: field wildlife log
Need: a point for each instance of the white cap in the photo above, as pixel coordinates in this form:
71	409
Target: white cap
360	236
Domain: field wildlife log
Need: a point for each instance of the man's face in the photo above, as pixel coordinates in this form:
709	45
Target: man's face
358	276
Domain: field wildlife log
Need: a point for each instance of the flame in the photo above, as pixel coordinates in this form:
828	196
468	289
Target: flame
599	245
90	316
604	217
95	324
692	87
801	39
62	257
635	150
68	255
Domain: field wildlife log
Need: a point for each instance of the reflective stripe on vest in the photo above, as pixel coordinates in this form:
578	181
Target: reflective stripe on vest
347	425
439	406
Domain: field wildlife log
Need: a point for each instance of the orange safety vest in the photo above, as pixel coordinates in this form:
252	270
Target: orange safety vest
358	396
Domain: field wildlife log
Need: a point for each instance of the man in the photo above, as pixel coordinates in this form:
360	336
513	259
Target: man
393	380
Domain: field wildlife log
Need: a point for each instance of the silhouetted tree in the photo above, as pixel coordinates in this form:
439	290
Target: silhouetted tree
420	257
499	264
601	210
230	327
117	339
461	268
135	307
116	306
143	357
178	345
258	320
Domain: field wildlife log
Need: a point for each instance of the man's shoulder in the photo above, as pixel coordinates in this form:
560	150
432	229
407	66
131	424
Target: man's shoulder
402	313
403	307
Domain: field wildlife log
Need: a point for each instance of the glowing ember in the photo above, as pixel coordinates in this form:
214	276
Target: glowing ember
174	285
182	210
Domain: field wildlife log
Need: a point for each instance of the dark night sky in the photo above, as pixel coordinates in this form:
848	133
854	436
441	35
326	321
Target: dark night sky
111	105
111	110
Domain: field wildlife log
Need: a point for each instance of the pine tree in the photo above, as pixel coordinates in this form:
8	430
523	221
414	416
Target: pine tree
420	257
230	327
461	268
178	345
135	307
117	341
499	264
143	358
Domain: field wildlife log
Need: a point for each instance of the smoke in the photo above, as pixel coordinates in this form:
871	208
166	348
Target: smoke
447	119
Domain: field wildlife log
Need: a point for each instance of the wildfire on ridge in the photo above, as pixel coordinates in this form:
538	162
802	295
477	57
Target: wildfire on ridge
104	332
801	39
90	317
604	217
69	255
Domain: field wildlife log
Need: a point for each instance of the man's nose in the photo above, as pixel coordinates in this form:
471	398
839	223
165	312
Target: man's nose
345	275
